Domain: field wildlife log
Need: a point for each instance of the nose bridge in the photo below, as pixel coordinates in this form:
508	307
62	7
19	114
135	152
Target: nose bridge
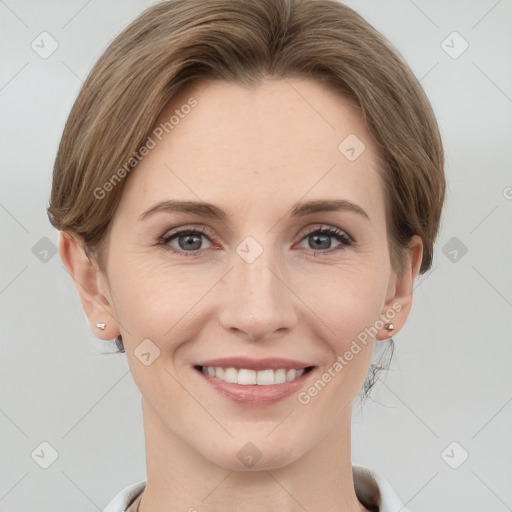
257	303
255	277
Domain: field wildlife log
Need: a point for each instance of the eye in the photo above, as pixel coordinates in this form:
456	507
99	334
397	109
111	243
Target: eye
188	241
320	238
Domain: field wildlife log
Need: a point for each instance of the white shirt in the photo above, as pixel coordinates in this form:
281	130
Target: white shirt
370	487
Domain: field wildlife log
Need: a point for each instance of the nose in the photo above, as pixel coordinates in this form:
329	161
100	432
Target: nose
260	303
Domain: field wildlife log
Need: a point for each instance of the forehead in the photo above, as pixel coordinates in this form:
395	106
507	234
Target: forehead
258	148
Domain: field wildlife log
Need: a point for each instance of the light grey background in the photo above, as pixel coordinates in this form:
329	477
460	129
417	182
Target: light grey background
450	379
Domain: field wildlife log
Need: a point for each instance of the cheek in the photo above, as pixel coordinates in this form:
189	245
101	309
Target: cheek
347	299
150	296
348	305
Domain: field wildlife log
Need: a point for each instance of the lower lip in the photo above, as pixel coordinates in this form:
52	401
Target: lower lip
255	395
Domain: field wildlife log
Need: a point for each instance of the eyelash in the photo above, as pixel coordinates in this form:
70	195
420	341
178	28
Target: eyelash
340	235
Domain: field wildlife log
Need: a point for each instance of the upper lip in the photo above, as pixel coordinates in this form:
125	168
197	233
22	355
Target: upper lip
268	363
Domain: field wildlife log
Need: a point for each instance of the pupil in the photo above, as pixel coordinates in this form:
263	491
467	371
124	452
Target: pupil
322	238
190	241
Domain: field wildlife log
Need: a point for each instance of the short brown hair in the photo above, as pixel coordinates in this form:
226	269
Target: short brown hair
177	42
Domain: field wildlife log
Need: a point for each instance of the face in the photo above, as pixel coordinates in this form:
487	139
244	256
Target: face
256	276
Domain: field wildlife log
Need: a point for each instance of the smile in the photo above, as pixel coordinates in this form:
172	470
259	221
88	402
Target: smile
248	377
259	386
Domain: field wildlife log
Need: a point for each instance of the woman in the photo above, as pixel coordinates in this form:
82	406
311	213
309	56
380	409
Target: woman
246	192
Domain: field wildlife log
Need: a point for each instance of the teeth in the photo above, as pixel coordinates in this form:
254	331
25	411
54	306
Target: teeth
252	377
230	375
265	377
279	376
290	375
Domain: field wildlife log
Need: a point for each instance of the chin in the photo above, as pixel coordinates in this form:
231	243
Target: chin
256	454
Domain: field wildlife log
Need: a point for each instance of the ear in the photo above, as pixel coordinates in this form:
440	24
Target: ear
399	302
91	285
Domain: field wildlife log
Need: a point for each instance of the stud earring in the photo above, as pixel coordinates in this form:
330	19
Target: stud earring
389	328
101	326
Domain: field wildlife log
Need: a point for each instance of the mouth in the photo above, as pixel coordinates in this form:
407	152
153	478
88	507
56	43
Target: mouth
254	383
249	377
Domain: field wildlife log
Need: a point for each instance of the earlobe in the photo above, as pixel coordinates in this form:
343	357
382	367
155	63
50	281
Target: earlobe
89	282
399	304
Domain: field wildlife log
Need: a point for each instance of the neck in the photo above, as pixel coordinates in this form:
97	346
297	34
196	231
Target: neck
181	479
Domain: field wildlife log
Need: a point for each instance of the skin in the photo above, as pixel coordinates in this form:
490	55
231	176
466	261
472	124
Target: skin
253	152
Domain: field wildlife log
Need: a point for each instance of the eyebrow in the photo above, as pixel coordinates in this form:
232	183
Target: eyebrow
209	210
